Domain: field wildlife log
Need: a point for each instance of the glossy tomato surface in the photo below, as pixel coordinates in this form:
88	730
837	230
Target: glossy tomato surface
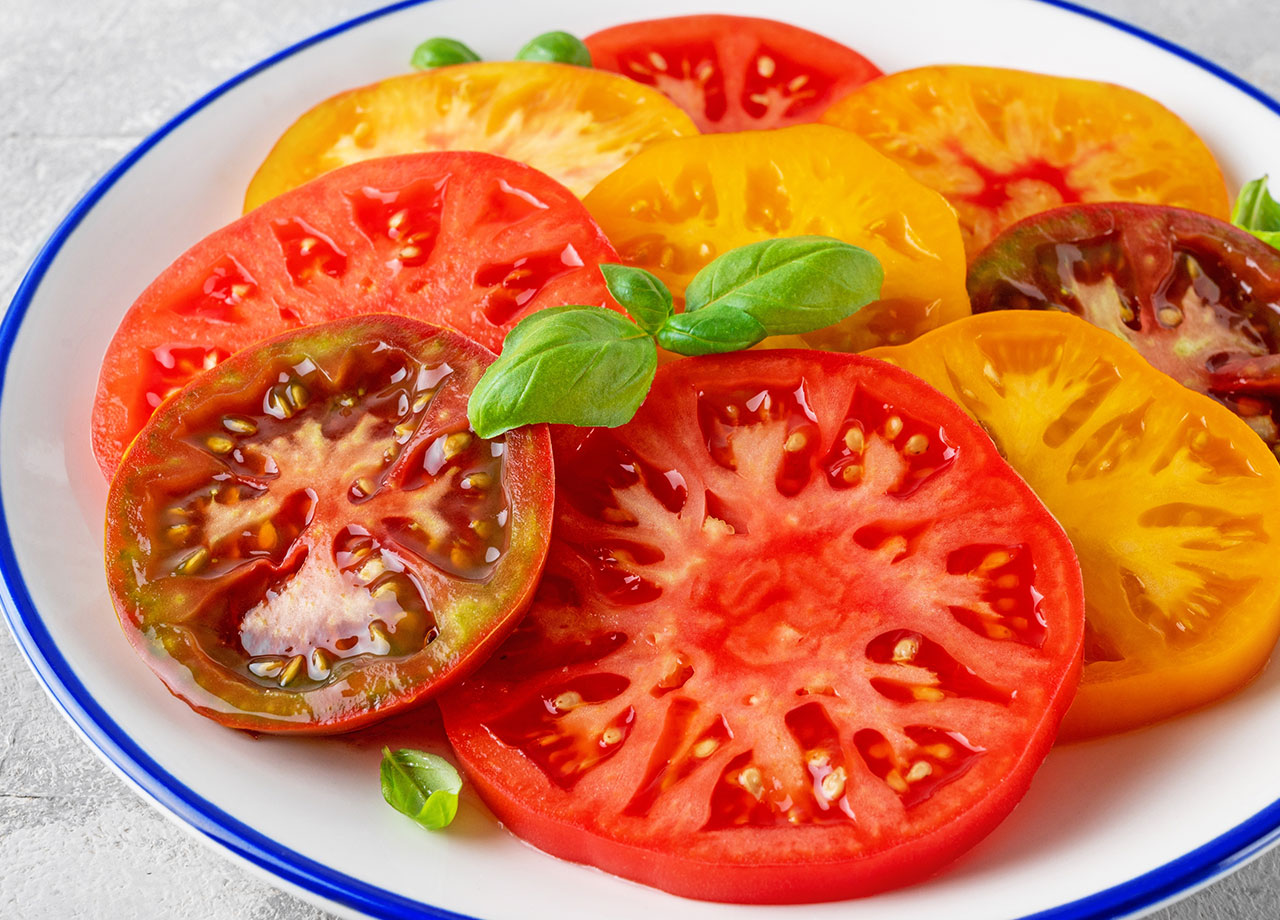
1169	500
678	205
309	537
1197	297
734	73
803	635
468	240
1004	144
573	123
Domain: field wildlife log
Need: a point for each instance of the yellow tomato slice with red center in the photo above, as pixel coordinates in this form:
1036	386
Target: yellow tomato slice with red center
575	124
1168	498
1004	144
678	205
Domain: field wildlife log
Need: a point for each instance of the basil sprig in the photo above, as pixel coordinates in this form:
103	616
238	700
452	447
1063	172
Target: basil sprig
423	786
1257	212
590	366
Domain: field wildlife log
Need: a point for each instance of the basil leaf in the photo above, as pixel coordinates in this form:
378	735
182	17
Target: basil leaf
641	293
710	331
791	285
423	786
441	52
1256	211
569	365
556	47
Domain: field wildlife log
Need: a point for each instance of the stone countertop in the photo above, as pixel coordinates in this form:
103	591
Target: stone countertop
79	83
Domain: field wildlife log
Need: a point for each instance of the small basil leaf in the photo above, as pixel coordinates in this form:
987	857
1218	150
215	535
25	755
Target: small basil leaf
423	786
790	285
569	365
641	293
710	331
441	52
1256	211
556	47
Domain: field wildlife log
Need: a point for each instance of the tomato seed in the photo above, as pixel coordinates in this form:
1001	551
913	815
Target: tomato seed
194	563
219	444
919	770
917	444
291	670
832	784
854	440
892	427
456	443
238	425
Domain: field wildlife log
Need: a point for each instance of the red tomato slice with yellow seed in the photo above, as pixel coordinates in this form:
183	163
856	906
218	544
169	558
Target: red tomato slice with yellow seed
309	537
469	240
734	73
803	635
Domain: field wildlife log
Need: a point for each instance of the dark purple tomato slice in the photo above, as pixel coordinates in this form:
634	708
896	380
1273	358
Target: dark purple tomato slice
309	537
1197	297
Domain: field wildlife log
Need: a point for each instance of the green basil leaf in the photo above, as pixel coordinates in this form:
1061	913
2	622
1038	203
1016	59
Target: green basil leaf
641	293
1256	211
790	285
423	786
441	52
710	331
568	365
556	47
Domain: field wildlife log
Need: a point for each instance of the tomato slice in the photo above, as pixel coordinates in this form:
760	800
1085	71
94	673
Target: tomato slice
702	698
309	537
678	205
573	123
1004	144
1168	498
1199	298
734	73
466	239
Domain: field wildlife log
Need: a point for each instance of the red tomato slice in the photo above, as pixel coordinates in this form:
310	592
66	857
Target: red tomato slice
734	73
470	240
309	537
802	635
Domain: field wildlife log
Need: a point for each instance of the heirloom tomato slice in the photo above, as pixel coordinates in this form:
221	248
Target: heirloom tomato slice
678	205
1003	144
1197	297
309	537
1169	499
734	73
575	124
469	240
803	635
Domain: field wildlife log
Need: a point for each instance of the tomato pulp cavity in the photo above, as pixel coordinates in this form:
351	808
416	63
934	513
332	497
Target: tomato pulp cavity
803	635
309	536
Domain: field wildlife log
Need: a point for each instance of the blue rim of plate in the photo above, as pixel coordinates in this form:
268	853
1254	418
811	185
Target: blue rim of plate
1167	882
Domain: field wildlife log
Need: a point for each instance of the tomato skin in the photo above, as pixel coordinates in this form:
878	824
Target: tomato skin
196	624
734	73
562	730
1196	296
1168	499
469	240
1002	144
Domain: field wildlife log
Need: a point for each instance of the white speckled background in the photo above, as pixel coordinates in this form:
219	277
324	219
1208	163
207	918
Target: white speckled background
82	82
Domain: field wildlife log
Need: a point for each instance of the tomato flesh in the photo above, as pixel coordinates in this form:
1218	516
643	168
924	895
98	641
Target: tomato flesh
734	73
1197	297
468	240
802	636
309	536
1004	144
1168	498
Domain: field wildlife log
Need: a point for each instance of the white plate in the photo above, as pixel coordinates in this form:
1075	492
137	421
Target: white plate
1109	827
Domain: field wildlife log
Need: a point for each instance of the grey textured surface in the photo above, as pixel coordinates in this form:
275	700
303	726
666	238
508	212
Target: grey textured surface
82	81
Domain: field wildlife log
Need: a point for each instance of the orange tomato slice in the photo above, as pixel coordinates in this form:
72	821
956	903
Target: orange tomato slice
575	124
1004	144
677	205
1168	498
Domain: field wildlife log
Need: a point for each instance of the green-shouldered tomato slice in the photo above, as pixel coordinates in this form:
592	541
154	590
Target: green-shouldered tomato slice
309	537
1197	297
802	635
734	73
467	240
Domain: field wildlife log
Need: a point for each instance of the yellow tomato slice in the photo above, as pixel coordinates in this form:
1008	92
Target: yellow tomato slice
575	124
1004	144
677	205
1168	498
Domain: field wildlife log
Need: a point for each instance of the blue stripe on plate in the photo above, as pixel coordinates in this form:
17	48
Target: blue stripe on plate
1192	870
